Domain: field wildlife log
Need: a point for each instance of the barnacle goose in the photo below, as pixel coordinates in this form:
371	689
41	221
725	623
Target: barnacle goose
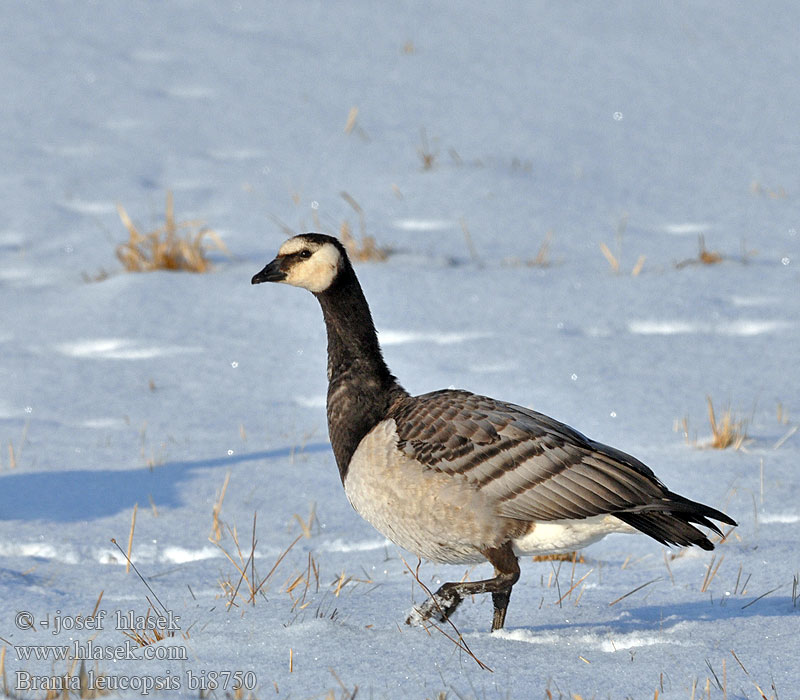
458	478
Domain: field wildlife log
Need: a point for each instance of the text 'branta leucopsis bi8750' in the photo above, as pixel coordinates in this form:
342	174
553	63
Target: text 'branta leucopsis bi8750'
458	478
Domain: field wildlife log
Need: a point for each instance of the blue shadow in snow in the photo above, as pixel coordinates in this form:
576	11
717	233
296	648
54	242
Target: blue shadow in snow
657	619
74	495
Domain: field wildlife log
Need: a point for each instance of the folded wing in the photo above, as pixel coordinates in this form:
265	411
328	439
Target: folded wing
537	469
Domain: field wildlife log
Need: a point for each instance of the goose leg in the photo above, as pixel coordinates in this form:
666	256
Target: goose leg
506	568
449	596
500	600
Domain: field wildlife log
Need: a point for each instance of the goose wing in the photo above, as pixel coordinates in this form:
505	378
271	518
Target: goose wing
532	466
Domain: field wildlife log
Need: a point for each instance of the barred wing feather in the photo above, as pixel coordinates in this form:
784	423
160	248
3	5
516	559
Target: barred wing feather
532	466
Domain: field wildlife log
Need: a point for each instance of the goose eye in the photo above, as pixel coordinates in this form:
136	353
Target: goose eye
305	253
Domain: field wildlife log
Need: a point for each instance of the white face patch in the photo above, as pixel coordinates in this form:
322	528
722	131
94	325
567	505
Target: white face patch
315	273
295	245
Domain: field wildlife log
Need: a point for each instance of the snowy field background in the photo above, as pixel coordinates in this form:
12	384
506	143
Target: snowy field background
640	126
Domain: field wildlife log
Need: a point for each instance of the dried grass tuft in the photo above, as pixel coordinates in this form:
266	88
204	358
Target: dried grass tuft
178	246
307	525
343	579
541	259
730	431
761	190
704	256
302	583
365	250
561	556
246	569
150	633
726	431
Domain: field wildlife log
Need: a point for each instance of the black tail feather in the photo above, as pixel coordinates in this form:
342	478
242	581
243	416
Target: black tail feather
671	521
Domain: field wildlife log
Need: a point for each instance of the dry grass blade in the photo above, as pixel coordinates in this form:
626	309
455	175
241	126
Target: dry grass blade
351	119
347	197
130	538
789	434
141	578
287	230
612	260
346	694
426	155
714	673
174	246
3	672
574	586
761	692
312	568
97	604
277	562
669	570
739	662
711	572
458	640
468	239
216	523
763	595
556	571
306	527
635	590
542	257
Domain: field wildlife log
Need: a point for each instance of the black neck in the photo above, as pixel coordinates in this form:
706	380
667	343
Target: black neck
360	386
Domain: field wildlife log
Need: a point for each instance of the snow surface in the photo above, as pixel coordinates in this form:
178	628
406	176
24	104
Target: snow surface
637	125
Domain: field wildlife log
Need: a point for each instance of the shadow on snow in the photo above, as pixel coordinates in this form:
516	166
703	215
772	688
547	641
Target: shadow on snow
75	495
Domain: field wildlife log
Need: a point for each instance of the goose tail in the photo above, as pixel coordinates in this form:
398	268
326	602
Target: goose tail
672	521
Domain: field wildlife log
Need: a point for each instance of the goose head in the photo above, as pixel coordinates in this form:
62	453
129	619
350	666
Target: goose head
311	261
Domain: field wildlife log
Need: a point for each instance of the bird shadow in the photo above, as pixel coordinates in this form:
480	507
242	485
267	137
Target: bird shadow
657	619
68	496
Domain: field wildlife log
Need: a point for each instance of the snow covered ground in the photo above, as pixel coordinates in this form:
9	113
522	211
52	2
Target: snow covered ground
638	126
